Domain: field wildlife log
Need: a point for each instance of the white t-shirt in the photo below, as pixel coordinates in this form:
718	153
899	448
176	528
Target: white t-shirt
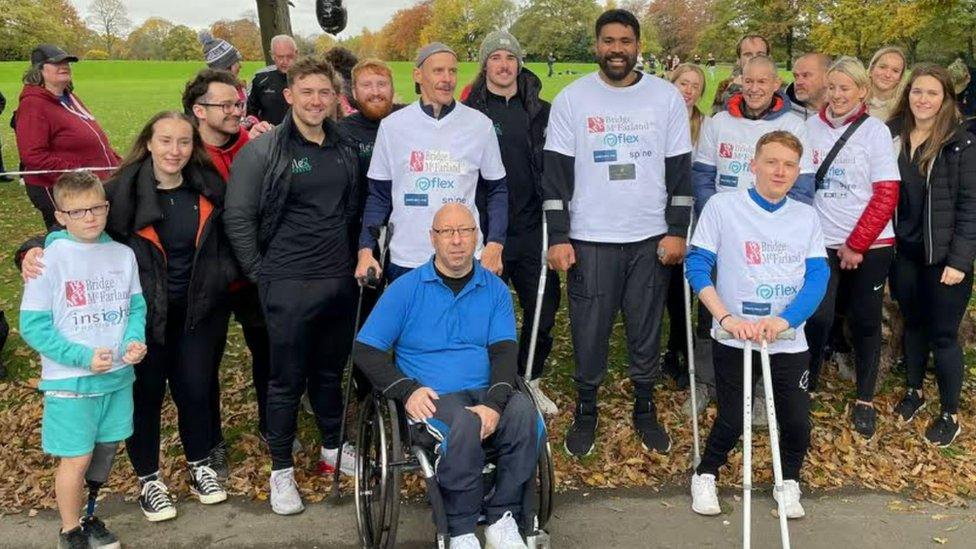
87	288
729	144
866	158
431	163
619	138
761	257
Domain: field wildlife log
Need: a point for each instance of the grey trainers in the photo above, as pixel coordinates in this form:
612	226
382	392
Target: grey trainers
98	535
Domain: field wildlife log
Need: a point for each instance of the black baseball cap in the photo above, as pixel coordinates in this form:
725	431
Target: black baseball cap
49	53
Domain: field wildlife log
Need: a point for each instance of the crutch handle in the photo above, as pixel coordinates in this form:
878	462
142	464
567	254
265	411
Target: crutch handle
722	334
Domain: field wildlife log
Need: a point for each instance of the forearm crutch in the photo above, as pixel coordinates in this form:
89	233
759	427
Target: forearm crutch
690	340
540	292
747	436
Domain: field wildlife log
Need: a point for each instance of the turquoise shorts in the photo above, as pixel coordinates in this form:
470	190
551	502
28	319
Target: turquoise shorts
73	425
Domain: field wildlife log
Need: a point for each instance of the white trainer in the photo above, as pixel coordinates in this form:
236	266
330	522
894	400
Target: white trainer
504	534
546	405
704	495
327	460
791	499
285	499
467	541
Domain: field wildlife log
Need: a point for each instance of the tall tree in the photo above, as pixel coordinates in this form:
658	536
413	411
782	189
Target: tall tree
181	44
110	20
244	34
146	40
561	27
400	37
462	24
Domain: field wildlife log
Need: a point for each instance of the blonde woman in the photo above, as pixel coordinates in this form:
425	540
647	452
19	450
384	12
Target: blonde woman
690	81
887	73
857	192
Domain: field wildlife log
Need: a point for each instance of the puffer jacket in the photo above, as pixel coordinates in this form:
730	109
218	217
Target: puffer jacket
949	230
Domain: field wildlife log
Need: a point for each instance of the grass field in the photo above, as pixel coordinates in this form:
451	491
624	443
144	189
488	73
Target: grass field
122	95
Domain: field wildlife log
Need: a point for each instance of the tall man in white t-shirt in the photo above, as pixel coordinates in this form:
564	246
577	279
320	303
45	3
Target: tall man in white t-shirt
428	154
616	191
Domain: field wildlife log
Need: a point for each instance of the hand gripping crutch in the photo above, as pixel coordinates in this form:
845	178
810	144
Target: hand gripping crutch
690	337
784	531
381	234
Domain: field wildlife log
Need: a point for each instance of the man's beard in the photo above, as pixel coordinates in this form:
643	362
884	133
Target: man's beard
614	73
376	111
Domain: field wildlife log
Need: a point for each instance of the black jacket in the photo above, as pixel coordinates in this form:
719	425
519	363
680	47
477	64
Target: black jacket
949	231
266	99
529	87
135	208
260	180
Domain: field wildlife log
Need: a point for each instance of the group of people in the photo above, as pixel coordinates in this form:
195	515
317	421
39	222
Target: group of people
279	202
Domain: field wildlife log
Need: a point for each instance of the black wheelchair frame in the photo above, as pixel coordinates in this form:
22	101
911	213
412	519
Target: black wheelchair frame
388	446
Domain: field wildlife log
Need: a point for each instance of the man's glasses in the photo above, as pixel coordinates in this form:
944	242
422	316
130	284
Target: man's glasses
463	232
81	213
228	108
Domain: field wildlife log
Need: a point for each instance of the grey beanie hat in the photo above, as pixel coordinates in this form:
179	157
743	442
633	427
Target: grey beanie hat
218	53
500	40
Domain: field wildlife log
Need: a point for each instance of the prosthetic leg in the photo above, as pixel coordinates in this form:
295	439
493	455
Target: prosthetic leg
97	475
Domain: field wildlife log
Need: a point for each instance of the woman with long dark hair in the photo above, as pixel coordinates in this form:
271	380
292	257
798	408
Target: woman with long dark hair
167	199
935	245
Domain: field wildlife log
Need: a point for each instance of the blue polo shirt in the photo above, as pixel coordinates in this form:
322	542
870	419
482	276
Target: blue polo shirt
440	339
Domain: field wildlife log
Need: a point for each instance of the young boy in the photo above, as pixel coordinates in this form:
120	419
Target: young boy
86	317
772	273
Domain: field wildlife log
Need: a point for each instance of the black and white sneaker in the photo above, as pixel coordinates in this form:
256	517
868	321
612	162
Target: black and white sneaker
653	435
943	431
581	435
76	538
909	406
218	461
155	501
98	535
865	419
205	486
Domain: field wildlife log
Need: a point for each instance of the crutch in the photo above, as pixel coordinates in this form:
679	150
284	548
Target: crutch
784	531
381	234
690	337
537	313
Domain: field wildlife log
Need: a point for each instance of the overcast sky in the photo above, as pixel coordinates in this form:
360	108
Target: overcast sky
199	14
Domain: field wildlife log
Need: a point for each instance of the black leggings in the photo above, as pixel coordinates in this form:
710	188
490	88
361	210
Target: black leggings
933	312
677	338
43	201
310	325
792	407
861	291
186	360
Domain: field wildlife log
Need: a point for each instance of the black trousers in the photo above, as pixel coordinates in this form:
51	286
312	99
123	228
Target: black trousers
862	292
523	265
933	312
43	202
677	331
461	457
310	325
608	278
789	371
186	361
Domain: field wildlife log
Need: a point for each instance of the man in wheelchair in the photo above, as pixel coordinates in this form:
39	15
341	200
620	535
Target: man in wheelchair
451	326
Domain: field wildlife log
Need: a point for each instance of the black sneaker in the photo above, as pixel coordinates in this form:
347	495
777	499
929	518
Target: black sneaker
218	461
98	535
155	501
76	538
943	431
909	406
865	418
581	435
204	484
653	436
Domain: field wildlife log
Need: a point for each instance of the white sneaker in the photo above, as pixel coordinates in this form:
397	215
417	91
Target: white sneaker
504	534
704	495
546	405
791	499
285	499
467	541
327	460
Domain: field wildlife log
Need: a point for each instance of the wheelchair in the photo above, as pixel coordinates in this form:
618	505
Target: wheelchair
390	446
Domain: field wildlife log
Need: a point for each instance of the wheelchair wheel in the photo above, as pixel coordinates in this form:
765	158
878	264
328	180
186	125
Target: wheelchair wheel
377	483
545	485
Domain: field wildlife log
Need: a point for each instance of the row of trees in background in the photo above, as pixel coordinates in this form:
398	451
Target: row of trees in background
927	29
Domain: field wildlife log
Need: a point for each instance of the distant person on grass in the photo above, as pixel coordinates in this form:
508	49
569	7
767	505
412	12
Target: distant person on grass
55	130
86	316
266	99
508	93
550	62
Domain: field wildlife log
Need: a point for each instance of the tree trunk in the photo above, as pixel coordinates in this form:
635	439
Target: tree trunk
789	48
274	19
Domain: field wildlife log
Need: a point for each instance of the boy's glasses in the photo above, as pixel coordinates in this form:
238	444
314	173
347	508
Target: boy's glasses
80	213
